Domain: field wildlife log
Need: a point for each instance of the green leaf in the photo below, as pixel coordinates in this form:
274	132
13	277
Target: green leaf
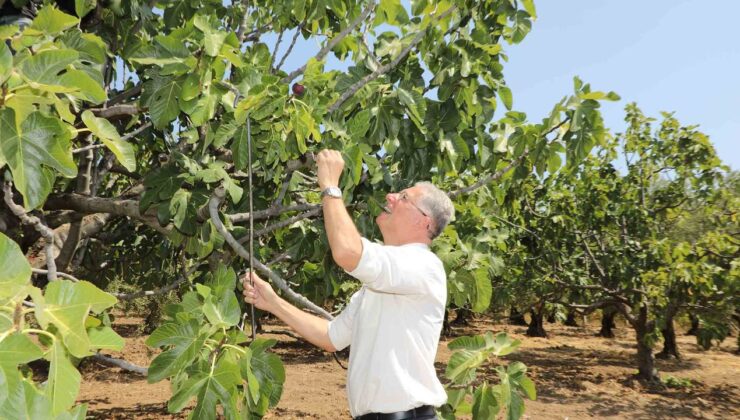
6	62
83	7
105	338
213	41
70	321
66	292
483	290
485	402
17	349
415	106
64	380
529	7
161	96
16	270
50	20
239	148
186	342
41	142
463	365
502	344
84	86
506	97
185	393
528	387
222	310
106	132
245	368
44	70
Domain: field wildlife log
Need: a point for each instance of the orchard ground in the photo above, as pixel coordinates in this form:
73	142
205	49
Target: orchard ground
578	375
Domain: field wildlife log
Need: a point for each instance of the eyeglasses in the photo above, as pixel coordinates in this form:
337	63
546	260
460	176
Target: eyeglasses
403	195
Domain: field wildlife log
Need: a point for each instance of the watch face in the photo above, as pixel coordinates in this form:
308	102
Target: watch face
332	192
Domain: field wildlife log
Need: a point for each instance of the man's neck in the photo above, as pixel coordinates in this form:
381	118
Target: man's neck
408	240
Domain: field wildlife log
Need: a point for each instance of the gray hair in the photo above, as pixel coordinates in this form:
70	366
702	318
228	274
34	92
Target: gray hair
438	205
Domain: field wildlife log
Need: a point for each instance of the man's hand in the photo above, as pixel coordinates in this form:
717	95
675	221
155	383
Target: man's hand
330	165
261	295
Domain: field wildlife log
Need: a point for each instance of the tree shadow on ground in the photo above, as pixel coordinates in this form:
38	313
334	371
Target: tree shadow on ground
139	411
300	352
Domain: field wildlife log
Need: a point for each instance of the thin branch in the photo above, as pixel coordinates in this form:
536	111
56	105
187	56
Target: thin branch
287	222
37	224
124	138
602	272
386	68
270	212
290	47
137	131
489	178
134	91
120	363
59	273
277	46
214	203
332	43
88	147
515	225
503	171
119	169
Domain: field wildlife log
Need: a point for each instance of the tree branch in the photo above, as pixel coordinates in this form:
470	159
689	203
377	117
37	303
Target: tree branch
117	111
287	222
59	273
37	224
120	363
386	68
489	178
290	47
214	203
502	172
134	91
591	255
89	205
332	43
277	46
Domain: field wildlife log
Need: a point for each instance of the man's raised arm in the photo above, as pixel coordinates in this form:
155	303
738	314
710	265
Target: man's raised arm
344	239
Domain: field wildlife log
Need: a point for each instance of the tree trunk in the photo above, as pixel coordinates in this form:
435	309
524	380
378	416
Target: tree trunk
607	323
670	347
462	316
645	359
516	318
694	325
536	326
570	320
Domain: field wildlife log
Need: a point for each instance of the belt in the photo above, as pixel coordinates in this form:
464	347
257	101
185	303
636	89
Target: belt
424	410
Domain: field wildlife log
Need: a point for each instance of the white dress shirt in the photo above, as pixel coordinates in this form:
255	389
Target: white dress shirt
393	324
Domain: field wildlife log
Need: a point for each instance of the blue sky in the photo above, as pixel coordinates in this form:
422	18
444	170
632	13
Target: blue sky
680	56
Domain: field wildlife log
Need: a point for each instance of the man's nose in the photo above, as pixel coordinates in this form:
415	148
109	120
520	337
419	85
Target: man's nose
391	197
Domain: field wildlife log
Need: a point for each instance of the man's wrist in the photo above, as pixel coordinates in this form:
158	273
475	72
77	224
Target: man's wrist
331	191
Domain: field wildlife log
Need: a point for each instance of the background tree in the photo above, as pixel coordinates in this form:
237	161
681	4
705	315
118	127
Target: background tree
621	224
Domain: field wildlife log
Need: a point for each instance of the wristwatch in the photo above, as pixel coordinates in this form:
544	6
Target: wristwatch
333	192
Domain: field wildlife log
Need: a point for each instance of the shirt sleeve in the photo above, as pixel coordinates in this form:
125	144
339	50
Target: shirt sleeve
340	328
389	269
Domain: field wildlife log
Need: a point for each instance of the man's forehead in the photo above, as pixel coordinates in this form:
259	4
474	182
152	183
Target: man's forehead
414	191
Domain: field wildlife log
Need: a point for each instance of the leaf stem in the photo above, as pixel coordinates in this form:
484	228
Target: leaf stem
37	331
237	348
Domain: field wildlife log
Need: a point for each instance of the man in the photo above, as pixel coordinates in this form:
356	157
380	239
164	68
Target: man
393	322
